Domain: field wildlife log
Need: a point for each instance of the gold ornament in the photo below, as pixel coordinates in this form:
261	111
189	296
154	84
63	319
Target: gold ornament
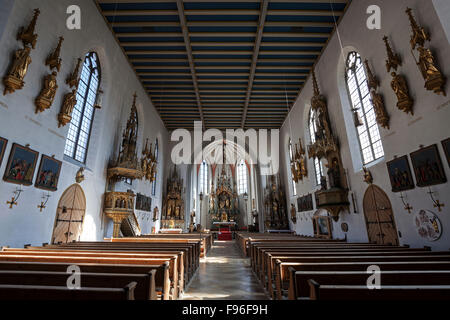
14	79
27	35
48	92
65	116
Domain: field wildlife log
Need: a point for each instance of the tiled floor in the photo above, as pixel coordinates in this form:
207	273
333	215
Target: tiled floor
224	275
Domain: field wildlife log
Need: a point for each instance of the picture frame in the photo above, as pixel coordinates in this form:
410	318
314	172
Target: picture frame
400	174
427	165
3	144
48	173
446	147
21	165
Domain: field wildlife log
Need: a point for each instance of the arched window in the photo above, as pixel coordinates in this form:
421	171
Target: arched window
291	156
203	178
156	174
368	133
242	177
83	113
318	167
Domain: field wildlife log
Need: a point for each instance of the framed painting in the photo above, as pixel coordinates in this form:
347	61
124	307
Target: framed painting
427	166
48	174
445	146
21	165
3	143
400	174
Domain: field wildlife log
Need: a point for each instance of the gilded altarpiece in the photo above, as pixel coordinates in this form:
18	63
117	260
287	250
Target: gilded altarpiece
275	212
172	216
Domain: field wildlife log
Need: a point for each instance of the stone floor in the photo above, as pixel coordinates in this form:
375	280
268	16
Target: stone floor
224	275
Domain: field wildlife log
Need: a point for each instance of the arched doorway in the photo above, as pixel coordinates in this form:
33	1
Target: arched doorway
380	222
69	215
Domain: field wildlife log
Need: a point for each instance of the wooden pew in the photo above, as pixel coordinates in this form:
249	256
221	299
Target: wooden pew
144	290
282	273
267	273
28	292
386	293
299	287
162	281
427	264
192	262
98	253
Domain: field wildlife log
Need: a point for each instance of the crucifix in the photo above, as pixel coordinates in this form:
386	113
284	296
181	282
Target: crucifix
407	205
43	204
14	199
12	203
436	203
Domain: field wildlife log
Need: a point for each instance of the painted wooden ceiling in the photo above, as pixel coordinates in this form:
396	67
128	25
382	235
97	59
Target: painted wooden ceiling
230	63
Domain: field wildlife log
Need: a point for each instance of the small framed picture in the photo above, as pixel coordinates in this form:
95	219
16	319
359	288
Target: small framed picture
3	143
427	166
400	174
48	174
446	147
21	165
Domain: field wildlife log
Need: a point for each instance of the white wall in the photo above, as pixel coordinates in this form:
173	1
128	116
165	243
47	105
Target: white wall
429	125
18	122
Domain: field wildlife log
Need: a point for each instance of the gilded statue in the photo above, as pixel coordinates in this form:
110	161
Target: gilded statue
400	88
382	116
65	116
334	174
14	79
367	176
293	213
428	67
48	92
155	214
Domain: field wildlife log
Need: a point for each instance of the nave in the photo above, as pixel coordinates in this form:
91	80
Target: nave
224	275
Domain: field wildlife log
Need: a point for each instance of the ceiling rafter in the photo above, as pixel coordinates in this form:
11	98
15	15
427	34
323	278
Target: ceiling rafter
259	35
187	41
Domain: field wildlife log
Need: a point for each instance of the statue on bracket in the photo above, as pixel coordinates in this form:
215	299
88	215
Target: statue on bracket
382	116
14	80
48	92
434	80
398	83
70	101
45	99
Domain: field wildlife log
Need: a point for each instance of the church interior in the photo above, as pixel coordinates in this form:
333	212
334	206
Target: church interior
224	150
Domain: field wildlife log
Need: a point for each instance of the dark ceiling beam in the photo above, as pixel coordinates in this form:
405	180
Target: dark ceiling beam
259	35
187	42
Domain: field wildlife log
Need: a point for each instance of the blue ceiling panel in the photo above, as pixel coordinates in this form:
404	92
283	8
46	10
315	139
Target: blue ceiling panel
217	62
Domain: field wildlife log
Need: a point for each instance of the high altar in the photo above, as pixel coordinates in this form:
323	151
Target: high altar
224	201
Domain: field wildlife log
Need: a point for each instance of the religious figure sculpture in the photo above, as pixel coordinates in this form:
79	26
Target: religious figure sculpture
404	101
293	213
367	176
334	174
48	92
14	79
433	77
382	116
155	214
65	116
276	216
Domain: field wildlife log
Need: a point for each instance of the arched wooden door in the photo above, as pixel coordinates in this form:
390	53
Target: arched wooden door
69	215
380	222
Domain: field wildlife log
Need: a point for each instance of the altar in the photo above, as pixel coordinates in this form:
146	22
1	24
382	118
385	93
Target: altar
225	230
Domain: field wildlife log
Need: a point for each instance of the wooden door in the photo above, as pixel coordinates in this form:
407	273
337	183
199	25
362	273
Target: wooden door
69	215
380	222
